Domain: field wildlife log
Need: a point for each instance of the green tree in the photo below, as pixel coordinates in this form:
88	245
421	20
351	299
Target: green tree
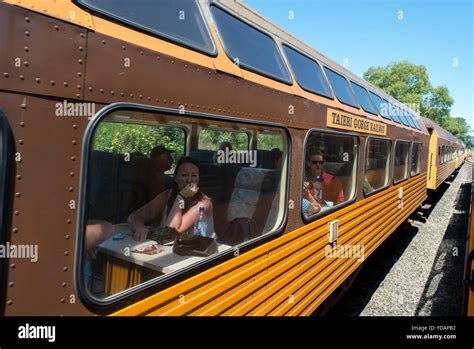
459	128
410	83
404	81
437	105
130	138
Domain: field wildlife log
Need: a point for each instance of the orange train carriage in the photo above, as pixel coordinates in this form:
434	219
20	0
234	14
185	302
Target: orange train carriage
187	79
461	154
442	156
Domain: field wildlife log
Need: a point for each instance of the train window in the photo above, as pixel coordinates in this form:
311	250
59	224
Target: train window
308	73
330	171
407	116
132	237
400	168
412	120
415	159
400	112
249	47
341	88
415	120
180	21
377	164
364	99
391	110
383	111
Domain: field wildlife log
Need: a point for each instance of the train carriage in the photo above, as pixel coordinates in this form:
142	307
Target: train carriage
83	80
442	154
460	154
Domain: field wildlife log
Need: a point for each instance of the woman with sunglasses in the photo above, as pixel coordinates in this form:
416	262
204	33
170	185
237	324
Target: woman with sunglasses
321	189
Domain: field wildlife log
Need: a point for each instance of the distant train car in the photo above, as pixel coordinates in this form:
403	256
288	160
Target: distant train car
460	154
441	155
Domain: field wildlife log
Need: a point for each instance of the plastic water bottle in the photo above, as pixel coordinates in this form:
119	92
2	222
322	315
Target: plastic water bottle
200	227
318	189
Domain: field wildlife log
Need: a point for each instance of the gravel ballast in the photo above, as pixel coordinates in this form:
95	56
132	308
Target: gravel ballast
419	269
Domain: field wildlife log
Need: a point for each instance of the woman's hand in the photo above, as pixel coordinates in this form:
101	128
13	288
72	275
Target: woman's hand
189	191
307	195
140	234
306	186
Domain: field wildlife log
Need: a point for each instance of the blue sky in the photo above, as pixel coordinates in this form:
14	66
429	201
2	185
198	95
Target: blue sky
437	34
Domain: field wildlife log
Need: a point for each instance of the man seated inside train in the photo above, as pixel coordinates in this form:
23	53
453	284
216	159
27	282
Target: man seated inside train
161	161
224	147
321	190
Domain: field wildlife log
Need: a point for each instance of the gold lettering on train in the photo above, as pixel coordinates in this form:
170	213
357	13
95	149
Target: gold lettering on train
344	121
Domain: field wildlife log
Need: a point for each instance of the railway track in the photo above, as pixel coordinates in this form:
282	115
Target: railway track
418	271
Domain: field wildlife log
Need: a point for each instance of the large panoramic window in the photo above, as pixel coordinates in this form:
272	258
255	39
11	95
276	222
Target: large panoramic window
377	164
415	159
330	172
166	193
178	20
400	166
249	47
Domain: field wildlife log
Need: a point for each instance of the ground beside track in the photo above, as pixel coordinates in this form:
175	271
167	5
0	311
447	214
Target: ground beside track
418	270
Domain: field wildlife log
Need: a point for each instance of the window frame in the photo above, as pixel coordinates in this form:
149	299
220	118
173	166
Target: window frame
325	78
334	90
386	117
417	123
408	162
409	119
6	192
288	82
390	174
394	117
330	210
136	26
411	158
121	299
368	95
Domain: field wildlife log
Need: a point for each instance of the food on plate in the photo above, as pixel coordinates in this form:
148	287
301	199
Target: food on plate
149	249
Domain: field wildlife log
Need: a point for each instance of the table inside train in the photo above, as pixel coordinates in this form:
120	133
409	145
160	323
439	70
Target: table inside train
125	269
